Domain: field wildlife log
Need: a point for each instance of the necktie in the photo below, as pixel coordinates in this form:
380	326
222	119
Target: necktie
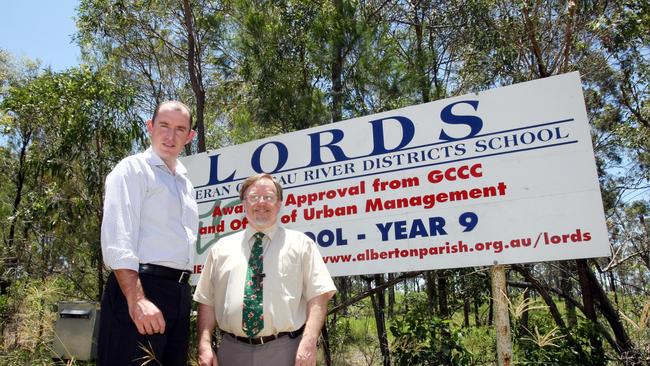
253	312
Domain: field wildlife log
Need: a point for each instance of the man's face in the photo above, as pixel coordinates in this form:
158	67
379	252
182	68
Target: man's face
170	132
261	204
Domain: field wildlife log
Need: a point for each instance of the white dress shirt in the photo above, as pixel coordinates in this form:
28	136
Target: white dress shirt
150	215
294	273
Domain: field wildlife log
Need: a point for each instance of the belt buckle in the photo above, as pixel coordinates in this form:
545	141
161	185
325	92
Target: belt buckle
248	340
182	277
261	341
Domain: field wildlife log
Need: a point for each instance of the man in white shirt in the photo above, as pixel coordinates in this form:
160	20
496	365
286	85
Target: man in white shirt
148	234
266	288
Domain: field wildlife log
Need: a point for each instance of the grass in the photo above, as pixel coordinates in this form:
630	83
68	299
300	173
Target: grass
360	345
28	333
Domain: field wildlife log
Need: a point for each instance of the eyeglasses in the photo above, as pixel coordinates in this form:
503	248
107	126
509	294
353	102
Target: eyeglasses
254	198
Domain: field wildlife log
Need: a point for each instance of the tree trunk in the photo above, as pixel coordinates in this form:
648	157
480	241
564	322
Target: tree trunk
432	293
20	182
523	323
612	286
645	245
443	305
525	315
196	80
420	60
567	288
467	308
491	309
378	306
343	286
12	261
391	296
568	36
535	48
597	353
327	353
623	341
337	64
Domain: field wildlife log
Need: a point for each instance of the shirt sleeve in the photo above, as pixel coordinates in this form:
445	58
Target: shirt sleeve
317	279
204	292
124	193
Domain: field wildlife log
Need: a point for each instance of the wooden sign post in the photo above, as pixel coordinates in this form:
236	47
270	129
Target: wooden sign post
501	318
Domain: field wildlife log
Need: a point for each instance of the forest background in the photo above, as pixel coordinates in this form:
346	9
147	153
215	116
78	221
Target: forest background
251	69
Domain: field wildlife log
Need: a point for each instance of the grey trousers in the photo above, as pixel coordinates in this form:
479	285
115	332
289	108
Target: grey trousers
280	352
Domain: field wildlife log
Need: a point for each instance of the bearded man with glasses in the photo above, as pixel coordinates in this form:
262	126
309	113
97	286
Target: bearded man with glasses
265	287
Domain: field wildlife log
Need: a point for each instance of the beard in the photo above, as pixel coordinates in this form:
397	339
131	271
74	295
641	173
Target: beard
262	221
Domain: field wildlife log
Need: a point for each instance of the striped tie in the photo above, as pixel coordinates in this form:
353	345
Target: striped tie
253	313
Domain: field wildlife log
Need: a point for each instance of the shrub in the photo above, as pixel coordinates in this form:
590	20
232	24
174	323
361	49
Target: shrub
424	339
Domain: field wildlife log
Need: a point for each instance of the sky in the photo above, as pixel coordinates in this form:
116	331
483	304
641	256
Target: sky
40	29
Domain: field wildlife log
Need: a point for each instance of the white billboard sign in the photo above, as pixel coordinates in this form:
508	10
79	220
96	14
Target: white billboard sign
502	176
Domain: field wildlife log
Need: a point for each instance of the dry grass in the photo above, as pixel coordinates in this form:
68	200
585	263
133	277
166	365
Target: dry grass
33	322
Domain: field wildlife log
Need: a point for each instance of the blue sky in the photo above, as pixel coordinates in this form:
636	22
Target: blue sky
40	29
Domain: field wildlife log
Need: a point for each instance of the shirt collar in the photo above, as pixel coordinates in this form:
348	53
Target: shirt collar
154	160
270	232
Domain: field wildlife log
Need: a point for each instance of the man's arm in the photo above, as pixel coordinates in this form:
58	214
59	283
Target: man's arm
145	314
206	323
125	190
316	313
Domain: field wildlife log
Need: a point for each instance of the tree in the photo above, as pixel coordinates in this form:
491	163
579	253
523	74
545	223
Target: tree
65	131
279	63
162	49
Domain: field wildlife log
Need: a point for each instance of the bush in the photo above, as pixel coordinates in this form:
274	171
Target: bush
29	315
424	339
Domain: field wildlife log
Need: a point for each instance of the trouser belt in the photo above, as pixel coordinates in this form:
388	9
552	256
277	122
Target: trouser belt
265	339
178	275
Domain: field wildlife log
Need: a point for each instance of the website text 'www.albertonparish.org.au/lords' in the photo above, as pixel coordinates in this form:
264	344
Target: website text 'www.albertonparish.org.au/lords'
496	246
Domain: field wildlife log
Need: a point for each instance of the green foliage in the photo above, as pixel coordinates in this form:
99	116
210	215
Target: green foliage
424	339
280	57
148	46
638	324
63	133
542	341
546	344
479	341
141	43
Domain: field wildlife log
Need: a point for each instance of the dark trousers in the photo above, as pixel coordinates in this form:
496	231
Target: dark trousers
120	343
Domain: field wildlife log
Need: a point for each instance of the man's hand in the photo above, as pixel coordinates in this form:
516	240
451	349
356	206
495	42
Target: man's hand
307	350
147	317
145	314
205	324
316	312
207	357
